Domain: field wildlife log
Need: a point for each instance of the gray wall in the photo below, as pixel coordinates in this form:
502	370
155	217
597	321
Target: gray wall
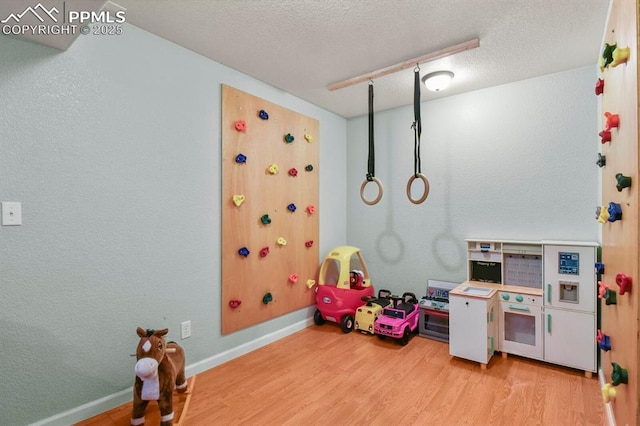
510	162
113	148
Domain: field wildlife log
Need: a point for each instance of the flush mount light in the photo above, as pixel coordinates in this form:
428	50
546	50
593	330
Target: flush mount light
437	81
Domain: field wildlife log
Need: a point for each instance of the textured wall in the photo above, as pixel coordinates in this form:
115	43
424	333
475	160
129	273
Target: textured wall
113	148
514	162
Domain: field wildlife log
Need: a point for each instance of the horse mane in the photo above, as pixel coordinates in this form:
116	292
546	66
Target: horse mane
150	332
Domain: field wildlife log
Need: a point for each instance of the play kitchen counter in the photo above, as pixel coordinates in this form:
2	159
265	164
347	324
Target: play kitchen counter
533	299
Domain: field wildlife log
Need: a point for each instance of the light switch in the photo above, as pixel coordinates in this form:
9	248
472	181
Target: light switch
11	213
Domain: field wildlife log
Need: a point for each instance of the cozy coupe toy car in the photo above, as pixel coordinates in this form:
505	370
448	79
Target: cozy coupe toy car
368	313
400	319
342	283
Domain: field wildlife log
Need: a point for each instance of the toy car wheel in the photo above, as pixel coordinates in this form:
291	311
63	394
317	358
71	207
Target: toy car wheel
405	336
317	317
347	324
381	336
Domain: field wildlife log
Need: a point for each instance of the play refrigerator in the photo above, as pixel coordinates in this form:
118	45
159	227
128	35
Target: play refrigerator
569	304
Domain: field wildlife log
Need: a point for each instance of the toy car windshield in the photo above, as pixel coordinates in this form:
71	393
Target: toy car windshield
393	313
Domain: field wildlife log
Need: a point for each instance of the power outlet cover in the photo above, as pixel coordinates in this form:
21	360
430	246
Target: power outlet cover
185	330
11	213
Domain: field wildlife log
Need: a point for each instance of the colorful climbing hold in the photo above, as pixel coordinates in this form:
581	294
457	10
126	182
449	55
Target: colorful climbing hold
241	158
288	138
602	214
623	181
309	168
264	251
234	303
308	137
615	212
238	199
607	293
274	169
265	219
281	241
620	56
311	209
619	375
608	393
268	297
309	244
293	278
607	55
244	252
605	136
293	172
263	114
602	160
241	125
604	342
624	282
311	283
599	87
291	207
612	120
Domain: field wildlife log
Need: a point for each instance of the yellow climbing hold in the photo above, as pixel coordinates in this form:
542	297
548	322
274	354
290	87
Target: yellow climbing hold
238	199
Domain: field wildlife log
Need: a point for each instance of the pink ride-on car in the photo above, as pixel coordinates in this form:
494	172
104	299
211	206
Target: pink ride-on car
342	283
400	319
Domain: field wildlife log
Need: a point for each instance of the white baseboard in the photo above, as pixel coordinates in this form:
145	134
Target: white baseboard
223	357
124	396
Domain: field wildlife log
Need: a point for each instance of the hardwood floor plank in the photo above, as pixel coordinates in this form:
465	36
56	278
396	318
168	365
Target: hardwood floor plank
320	376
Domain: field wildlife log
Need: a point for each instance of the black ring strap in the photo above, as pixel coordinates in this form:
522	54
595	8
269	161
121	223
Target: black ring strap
417	132
371	162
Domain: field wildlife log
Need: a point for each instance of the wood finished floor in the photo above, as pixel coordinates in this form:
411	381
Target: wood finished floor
320	376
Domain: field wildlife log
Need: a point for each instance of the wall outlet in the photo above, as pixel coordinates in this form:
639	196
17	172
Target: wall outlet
185	330
11	213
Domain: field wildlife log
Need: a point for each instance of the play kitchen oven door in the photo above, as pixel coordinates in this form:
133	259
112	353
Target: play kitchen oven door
521	324
434	324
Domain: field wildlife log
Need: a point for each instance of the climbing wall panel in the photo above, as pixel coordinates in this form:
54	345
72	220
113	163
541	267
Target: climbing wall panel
269	210
620	238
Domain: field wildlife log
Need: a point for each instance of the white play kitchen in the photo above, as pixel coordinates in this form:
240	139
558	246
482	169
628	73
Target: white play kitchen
535	299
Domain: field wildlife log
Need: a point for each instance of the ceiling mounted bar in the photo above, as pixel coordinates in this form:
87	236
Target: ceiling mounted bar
439	54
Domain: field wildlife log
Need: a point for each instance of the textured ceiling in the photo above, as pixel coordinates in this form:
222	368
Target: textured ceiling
302	46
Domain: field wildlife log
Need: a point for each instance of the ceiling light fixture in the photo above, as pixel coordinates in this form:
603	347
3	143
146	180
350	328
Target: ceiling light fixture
437	81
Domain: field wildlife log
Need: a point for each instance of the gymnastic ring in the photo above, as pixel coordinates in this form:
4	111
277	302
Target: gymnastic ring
426	188
380	191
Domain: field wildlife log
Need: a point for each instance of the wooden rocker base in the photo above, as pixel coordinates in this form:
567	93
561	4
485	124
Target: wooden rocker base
121	416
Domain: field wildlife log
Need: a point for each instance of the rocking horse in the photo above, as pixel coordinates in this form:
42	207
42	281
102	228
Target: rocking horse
159	368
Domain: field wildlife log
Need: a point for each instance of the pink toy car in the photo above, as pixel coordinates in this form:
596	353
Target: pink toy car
342	283
400	319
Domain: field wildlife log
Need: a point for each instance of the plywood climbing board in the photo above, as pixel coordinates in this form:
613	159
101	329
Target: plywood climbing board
269	210
619	353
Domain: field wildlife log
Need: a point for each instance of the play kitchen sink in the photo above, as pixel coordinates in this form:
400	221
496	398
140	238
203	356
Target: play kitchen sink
477	291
